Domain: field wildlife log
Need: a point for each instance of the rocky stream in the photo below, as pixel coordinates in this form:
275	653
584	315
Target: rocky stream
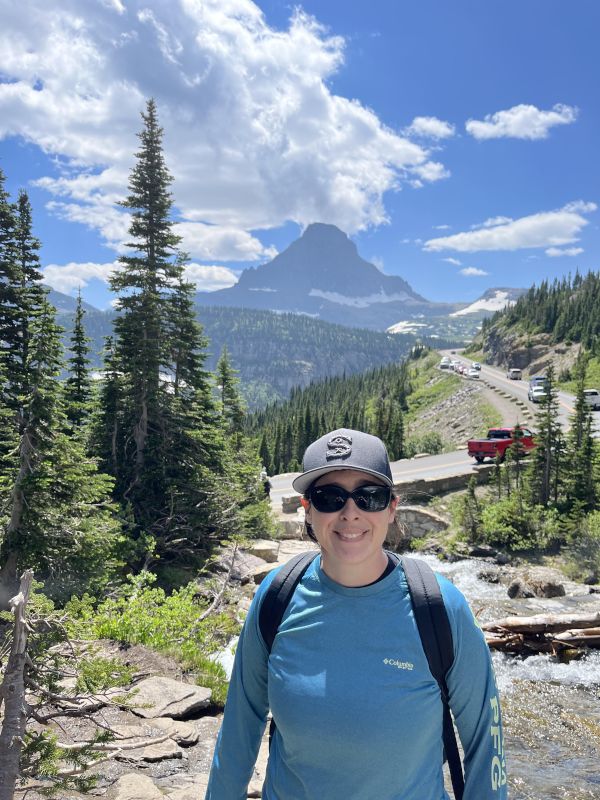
551	709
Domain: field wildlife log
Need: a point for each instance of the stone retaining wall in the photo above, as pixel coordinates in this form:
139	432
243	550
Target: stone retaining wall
421	489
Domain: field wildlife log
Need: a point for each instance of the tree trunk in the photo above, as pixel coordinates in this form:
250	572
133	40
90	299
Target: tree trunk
12	693
543	633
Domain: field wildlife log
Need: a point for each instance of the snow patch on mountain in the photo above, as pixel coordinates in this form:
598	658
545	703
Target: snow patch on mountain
494	303
406	326
359	302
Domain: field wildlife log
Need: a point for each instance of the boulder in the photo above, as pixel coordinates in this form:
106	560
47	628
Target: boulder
192	791
245	563
134	786
538	582
184	733
266	549
153	752
165	697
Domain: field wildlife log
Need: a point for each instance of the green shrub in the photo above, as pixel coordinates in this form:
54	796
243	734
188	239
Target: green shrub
169	623
511	524
584	549
430	442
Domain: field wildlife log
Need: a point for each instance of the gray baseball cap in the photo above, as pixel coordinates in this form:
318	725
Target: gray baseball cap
344	449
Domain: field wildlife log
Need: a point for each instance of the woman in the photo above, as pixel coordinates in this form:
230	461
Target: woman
358	714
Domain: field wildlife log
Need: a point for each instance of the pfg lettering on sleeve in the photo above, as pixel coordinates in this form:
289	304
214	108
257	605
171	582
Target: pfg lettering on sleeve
498	764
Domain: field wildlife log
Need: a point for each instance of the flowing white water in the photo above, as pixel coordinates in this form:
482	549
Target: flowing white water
551	709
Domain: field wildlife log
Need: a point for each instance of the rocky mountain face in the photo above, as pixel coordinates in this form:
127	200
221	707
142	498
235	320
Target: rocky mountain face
321	274
533	353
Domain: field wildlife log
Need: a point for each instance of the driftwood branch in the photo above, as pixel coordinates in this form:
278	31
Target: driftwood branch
543	633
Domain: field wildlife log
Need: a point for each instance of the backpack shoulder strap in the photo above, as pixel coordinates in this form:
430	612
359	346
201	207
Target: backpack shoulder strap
431	618
279	593
436	637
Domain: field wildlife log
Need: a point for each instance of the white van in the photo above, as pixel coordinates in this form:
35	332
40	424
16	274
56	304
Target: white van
514	374
592	398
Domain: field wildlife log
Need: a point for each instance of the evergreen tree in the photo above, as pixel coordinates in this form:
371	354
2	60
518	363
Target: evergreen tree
78	384
8	270
543	476
159	431
60	522
581	450
232	409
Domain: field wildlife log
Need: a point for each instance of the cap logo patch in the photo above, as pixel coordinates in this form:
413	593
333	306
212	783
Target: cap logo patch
339	447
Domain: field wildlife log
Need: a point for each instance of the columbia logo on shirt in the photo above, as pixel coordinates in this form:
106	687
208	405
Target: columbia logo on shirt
393	662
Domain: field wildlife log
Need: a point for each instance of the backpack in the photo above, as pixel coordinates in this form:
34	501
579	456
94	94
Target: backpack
430	616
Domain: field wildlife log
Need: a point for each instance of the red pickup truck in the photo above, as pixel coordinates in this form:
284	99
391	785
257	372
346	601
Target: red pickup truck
497	442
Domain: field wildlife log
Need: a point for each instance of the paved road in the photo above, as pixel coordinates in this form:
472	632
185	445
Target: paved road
458	462
497	377
407	469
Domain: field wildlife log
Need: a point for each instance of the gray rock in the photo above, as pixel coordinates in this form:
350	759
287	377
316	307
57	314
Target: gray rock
165	697
490	575
194	791
184	733
483	551
266	549
134	786
519	589
244	565
153	752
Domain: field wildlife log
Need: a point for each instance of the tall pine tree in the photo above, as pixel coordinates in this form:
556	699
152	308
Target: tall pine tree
78	384
159	432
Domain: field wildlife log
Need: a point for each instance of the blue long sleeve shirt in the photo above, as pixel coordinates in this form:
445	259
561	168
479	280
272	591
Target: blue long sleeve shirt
358	713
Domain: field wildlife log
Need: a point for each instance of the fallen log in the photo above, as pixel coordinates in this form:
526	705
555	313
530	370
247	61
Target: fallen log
544	623
543	633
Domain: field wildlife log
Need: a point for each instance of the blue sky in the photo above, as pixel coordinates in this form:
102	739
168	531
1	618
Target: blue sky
454	142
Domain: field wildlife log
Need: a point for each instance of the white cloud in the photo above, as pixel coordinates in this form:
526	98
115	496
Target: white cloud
545	229
221	242
472	271
431	127
67	277
254	136
210	278
521	122
556	252
454	261
492	222
441	227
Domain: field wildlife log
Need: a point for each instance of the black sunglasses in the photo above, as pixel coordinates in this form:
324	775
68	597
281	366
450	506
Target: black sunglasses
329	497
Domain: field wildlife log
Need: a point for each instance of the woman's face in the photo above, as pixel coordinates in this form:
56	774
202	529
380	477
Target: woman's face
351	540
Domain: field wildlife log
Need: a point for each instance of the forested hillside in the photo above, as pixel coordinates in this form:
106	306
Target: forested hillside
373	401
272	352
567	309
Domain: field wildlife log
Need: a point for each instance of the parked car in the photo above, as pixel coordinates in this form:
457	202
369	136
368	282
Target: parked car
444	364
472	373
476	365
514	374
592	398
498	441
537	393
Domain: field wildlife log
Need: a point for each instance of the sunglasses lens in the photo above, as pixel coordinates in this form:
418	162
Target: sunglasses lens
372	498
330	498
